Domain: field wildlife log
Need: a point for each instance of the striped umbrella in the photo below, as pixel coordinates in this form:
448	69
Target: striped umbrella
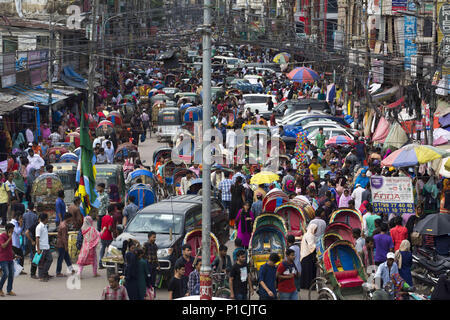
339	140
413	154
282	58
303	75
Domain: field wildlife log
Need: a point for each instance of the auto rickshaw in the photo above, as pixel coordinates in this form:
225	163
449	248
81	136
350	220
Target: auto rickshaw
104	128
44	193
170	92
55	153
73	137
115	117
169	121
67	172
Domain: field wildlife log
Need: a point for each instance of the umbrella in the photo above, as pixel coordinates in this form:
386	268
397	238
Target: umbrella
440	141
105	123
282	58
435	224
413	154
303	75
264	177
445	120
339	140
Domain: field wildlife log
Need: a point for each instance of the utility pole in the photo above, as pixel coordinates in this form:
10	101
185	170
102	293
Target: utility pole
92	60
205	271
51	57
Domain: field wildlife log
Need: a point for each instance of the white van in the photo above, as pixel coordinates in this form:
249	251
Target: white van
230	62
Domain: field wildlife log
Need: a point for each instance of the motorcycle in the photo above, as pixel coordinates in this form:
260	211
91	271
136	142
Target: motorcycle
428	266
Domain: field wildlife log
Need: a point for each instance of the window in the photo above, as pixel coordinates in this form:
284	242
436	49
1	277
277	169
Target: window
42	42
10	44
158	222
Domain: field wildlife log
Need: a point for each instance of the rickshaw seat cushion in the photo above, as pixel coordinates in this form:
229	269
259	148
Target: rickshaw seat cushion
348	279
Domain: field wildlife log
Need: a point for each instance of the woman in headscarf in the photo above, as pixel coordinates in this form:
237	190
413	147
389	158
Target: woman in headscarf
114	195
244	220
289	186
403	257
88	252
362	179
308	257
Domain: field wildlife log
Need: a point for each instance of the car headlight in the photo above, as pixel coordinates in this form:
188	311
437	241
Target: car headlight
162	253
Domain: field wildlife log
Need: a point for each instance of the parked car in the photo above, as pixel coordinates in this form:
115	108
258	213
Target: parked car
297	115
289	107
259	101
303	121
329	132
171	219
310	127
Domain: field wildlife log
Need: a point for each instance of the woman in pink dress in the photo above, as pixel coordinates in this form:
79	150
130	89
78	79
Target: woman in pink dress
244	220
88	253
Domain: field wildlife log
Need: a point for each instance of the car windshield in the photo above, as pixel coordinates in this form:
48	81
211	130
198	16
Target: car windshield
306	121
158	222
255	99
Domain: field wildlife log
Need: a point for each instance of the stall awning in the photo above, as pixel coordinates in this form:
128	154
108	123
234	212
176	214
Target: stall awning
9	102
37	96
396	103
385	95
73	79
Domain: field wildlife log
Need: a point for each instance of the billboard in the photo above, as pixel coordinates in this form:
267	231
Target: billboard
392	195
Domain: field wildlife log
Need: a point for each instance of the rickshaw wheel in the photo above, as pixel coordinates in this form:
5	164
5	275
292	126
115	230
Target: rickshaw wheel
223	293
325	295
317	285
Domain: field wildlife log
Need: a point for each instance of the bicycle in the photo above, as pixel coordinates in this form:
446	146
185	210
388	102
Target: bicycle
220	285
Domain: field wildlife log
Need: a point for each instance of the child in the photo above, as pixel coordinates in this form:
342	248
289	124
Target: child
114	291
239	246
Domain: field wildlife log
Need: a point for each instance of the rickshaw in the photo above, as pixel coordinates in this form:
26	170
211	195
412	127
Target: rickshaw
274	199
190	96
44	193
127	112
156	108
170	92
143	195
55	153
161	152
67	172
68	157
178	174
111	174
306	207
115	118
294	218
194	239
191	115
348	216
268	236
169	78
73	137
169	121
343	230
69	146
196	188
342	273
169	170
104	128
159	97
123	151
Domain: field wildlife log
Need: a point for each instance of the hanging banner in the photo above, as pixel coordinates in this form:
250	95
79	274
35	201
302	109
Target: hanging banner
443	12
410	36
392	195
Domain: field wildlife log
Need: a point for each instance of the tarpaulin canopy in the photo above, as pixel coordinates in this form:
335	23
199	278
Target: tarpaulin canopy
73	79
396	138
382	131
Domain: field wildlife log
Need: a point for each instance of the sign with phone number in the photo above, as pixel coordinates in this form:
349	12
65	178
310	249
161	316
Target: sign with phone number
396	208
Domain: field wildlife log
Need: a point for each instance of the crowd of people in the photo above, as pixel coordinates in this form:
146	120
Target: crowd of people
330	177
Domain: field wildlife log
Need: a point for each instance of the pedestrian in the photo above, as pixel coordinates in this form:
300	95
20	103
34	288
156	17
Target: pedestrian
225	188
398	233
187	260
320	139
267	278
131	270
308	257
237	200
60	207
6	260
143	274
106	235
319	222
103	198
359	241
244	222
240	278
109	151
5	200
404	260
88	252
114	291
257	206
238	246
75	212
286	273
369	221
177	286
357	195
293	246
151	254
383	244
368	252
222	262
386	269
43	248
29	219
130	210
194	279
17	221
185	183
344	199
62	244
30	234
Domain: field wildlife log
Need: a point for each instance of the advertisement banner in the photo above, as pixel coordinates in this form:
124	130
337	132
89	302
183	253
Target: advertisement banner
443	12
392	195
398	5
410	36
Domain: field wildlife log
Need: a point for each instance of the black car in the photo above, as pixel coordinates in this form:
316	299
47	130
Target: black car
290	106
171	219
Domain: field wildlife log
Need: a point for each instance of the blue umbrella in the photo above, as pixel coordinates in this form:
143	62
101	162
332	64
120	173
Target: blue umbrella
445	120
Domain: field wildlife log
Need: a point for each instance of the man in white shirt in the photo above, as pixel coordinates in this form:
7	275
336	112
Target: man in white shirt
29	135
357	195
97	140
101	157
43	247
109	151
35	160
55	137
185	183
